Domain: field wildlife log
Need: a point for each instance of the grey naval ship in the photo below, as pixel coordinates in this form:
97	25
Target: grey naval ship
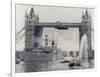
46	53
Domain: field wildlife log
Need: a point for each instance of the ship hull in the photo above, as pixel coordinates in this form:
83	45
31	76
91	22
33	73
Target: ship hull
33	56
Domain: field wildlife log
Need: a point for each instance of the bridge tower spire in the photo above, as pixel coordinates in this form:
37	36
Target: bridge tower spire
85	28
32	33
30	20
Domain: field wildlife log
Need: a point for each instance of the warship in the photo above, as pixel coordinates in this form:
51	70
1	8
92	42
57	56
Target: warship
46	53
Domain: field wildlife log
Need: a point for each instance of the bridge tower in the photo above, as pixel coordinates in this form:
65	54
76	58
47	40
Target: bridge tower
85	28
30	20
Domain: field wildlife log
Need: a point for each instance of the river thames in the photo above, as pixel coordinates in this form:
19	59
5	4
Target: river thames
49	66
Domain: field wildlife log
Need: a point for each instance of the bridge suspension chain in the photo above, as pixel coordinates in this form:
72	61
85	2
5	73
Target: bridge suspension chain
18	33
20	37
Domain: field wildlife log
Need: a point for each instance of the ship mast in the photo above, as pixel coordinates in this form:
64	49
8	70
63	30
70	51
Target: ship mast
46	40
53	41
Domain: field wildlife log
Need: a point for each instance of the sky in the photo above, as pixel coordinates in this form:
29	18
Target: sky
67	39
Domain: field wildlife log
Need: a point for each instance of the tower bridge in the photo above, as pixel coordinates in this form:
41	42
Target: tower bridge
34	29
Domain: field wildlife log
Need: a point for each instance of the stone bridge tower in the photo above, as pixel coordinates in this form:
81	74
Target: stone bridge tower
30	30
85	28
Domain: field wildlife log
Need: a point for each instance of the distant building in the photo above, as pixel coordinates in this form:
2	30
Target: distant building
71	53
76	53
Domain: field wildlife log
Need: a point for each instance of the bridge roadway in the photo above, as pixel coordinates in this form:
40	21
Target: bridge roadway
57	24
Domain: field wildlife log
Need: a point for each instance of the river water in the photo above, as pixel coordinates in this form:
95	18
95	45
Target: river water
49	66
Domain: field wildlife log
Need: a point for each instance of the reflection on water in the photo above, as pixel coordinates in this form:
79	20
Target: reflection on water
48	66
